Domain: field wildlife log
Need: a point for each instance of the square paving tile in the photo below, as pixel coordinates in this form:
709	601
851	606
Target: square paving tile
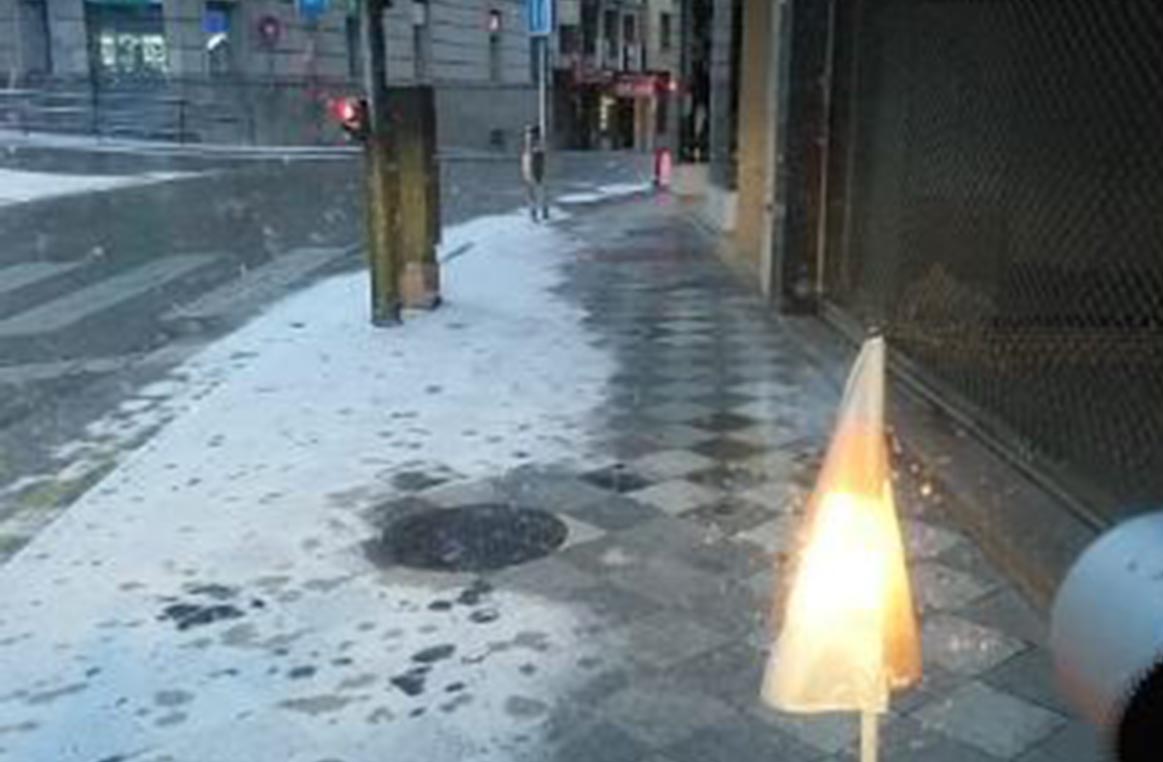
677	412
722	422
776	496
610	605
733	672
927	541
727	449
727	477
677	435
670	464
908	740
1074	742
669	536
1008	611
660	713
676	496
731	515
667	581
550	577
826	733
1030	676
775	409
549	490
600	741
765	388
964	647
616	478
664	639
615	513
995	722
739	739
777	535
937	587
767	434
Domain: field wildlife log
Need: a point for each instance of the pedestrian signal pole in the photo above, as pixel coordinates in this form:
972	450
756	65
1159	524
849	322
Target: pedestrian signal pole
381	169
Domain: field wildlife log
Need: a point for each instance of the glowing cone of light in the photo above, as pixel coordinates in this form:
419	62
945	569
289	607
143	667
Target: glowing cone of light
849	633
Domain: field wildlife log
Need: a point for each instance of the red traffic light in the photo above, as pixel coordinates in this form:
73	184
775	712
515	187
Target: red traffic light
351	113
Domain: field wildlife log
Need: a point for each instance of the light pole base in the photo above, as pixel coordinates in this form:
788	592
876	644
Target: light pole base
420	285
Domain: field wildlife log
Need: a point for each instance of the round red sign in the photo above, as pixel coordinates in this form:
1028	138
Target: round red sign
269	30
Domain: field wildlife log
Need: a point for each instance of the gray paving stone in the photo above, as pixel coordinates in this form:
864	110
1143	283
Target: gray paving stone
666	536
600	741
963	647
995	722
548	490
678	435
614	513
970	559
936	683
1008	611
677	412
727	449
740	739
733	672
670	464
609	605
938	587
550	577
661	712
1029	675
731	515
926	541
1075	742
907	740
664	639
765	408
777	535
826	733
667	581
777	496
676	496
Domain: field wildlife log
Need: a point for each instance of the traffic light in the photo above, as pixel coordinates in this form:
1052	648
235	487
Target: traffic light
351	113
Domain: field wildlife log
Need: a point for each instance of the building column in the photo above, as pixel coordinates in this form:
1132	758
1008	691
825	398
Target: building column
755	132
721	124
68	38
184	37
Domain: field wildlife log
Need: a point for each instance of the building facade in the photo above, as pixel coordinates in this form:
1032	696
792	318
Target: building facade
263	70
616	73
980	182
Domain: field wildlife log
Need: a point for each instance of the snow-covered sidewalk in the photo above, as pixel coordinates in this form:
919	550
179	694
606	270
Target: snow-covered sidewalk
221	597
251	500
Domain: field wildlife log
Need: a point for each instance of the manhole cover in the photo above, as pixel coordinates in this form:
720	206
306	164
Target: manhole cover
473	538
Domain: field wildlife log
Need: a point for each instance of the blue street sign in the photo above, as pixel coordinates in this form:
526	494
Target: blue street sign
312	9
539	15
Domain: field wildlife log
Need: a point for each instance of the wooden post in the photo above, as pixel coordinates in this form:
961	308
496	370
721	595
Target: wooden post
414	123
383	215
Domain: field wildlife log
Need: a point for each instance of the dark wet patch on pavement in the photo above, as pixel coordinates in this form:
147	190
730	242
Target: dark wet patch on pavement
434	654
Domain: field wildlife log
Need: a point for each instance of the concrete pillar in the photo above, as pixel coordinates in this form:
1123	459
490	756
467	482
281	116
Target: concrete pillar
68	38
722	86
755	131
184	37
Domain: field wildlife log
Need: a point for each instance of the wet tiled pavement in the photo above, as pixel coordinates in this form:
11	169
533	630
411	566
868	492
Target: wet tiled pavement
706	449
681	490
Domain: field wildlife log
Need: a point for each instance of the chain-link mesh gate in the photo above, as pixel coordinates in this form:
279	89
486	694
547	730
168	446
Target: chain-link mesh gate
997	206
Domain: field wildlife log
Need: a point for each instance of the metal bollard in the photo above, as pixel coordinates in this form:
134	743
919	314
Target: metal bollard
1106	634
